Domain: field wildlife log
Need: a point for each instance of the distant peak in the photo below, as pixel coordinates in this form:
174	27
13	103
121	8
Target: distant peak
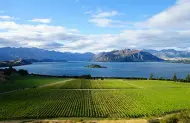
168	50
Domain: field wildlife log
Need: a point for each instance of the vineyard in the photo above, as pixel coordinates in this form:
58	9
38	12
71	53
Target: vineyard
109	98
19	82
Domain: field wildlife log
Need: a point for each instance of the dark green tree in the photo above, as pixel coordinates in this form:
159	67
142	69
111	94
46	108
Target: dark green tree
188	78
174	77
151	76
23	72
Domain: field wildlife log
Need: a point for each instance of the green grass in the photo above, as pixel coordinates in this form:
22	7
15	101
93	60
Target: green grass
20	82
109	98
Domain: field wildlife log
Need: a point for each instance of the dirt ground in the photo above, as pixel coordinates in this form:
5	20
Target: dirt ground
85	121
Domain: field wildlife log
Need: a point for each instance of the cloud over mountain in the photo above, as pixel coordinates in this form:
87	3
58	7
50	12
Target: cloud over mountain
168	29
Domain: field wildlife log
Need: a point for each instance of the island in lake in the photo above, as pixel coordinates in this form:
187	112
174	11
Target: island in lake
95	66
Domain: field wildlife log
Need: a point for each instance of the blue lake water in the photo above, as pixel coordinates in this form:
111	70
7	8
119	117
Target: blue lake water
114	69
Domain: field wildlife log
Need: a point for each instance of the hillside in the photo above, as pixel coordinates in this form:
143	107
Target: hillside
8	53
126	55
170	54
14	63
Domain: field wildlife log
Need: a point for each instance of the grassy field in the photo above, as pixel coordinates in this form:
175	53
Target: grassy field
109	98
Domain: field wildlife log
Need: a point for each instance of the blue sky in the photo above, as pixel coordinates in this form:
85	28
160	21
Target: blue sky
78	25
71	13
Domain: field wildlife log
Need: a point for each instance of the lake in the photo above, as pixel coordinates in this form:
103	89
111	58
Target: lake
114	69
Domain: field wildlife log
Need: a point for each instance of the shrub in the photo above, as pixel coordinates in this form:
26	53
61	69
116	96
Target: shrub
151	76
9	71
174	77
2	77
23	72
86	76
154	120
188	78
182	117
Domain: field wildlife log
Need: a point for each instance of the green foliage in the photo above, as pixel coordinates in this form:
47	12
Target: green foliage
112	98
174	77
23	72
9	71
3	78
86	76
154	120
95	66
151	76
188	78
182	117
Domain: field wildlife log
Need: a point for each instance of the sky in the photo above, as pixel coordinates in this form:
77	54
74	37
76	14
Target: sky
95	25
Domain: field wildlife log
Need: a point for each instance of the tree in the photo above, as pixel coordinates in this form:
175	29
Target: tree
161	78
86	76
2	77
9	71
23	72
174	77
151	76
188	78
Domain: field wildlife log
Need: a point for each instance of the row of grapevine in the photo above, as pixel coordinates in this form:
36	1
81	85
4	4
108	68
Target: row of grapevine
119	103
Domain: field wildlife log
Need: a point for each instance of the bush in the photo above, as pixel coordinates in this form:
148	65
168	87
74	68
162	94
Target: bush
174	77
86	76
23	72
9	71
154	120
151	76
188	78
2	77
182	117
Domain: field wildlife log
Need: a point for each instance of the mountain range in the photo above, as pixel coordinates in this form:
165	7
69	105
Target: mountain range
169	54
10	53
125	55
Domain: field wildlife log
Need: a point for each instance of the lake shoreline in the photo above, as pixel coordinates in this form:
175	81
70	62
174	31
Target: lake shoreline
114	69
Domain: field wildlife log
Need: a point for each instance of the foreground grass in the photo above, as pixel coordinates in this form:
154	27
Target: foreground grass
180	117
109	98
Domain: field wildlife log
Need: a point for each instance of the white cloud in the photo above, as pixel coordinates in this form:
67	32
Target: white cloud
5	17
88	12
168	29
139	39
41	20
63	39
175	17
103	19
106	14
106	22
36	35
182	1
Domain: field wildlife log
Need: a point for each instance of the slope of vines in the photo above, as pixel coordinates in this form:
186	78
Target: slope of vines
52	103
